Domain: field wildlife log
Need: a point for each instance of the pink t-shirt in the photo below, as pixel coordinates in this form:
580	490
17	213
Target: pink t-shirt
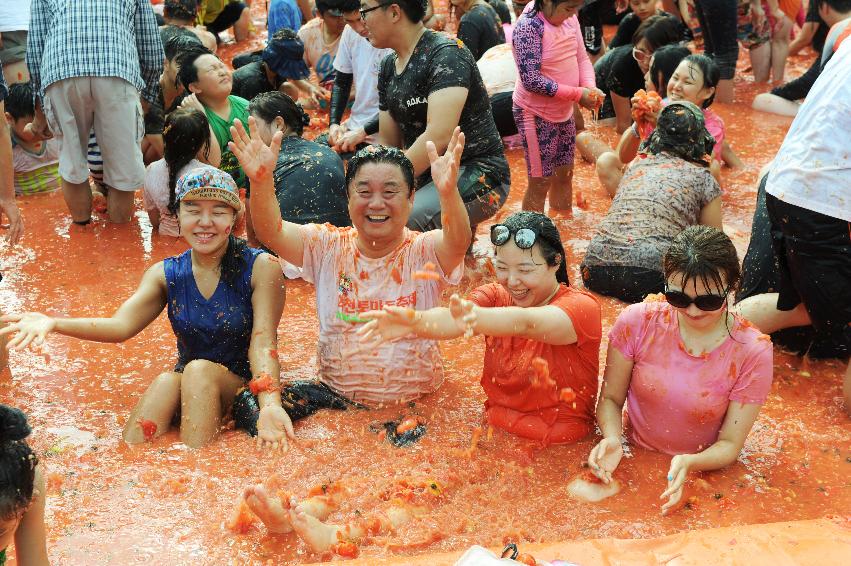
347	283
547	56
676	402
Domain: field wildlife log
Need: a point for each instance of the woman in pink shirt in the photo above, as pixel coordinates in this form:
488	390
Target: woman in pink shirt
694	374
554	72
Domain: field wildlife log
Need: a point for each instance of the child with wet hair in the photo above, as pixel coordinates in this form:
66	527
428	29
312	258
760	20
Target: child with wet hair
22	492
554	73
36	163
186	137
694	375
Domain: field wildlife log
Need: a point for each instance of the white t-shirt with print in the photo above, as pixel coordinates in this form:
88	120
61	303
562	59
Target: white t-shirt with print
347	283
357	56
155	194
812	169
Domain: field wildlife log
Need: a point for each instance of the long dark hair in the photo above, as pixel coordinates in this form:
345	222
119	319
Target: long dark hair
548	239
705	254
186	132
17	463
270	105
658	30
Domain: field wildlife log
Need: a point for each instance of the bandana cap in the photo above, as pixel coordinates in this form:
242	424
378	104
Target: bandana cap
681	129
208	183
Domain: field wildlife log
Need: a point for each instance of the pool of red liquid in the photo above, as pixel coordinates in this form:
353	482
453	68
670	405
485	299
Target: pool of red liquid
162	503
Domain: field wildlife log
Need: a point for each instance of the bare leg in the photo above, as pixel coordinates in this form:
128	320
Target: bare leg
158	404
78	197
16	72
846	389
724	91
321	536
119	205
610	172
272	511
242	25
729	156
152	148
761	62
206	391
761	310
590	146
4	353
536	194
780	49
561	189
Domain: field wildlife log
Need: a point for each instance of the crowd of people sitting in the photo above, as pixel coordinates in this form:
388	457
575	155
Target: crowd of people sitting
380	211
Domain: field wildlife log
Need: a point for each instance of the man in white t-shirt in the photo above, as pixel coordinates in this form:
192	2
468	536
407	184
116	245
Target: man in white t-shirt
809	204
14	23
357	62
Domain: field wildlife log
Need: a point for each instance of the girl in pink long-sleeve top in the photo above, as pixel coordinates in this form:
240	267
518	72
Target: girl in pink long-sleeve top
554	72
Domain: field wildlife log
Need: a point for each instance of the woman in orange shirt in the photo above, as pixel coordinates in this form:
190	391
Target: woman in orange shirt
542	336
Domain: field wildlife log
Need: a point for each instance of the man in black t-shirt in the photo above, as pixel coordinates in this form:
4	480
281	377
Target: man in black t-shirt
426	88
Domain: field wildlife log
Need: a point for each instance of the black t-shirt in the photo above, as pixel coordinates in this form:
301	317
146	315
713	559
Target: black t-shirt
250	80
480	29
436	63
310	183
502	10
821	30
618	72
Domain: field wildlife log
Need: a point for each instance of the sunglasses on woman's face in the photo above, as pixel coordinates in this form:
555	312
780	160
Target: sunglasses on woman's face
524	237
709	302
639	55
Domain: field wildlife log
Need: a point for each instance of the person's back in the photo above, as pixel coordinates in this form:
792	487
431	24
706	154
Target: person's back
283	14
310	183
658	197
480	29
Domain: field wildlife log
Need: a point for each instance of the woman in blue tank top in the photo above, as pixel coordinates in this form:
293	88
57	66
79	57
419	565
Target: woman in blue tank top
224	300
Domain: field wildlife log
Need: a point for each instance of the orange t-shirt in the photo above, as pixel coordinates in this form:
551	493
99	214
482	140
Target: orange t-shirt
513	404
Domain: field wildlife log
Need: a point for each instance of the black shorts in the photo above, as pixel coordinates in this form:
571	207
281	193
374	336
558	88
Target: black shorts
629	284
227	17
814	258
503	115
299	398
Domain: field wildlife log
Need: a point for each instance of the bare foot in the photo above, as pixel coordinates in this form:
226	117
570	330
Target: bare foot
268	508
315	533
591	490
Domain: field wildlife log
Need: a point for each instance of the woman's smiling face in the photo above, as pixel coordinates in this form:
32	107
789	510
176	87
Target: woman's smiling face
525	274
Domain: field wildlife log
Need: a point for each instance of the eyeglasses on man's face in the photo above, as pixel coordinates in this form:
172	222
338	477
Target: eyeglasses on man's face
364	11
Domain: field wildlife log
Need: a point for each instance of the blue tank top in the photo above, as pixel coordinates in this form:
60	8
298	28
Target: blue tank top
217	329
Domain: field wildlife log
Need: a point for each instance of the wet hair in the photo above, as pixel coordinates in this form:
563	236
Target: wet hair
19	101
665	61
538	5
17	463
342	5
681	132
188	72
186	132
706	254
270	105
181	9
381	154
176	43
547	239
841	6
414	9
285	34
710	71
658	30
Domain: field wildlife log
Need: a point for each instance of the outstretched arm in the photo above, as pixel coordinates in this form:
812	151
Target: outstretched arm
132	317
546	324
453	239
259	161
